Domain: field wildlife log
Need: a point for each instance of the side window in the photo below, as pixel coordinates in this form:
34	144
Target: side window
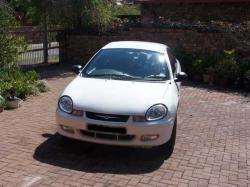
172	60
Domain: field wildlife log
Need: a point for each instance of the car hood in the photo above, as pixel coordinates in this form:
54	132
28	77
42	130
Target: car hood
114	96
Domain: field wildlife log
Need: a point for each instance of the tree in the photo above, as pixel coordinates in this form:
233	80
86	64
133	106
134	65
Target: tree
10	45
98	16
31	9
82	14
71	14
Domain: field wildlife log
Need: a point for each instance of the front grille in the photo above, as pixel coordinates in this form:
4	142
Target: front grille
107	117
108	136
106	129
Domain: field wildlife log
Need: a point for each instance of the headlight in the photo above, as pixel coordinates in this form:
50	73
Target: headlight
156	112
65	104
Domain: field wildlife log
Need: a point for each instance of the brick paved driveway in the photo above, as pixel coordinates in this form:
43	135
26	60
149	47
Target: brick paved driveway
213	147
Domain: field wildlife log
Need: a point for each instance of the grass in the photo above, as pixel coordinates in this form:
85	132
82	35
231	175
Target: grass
125	10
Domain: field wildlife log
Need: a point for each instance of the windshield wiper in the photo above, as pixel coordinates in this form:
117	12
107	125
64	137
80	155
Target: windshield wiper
114	76
156	77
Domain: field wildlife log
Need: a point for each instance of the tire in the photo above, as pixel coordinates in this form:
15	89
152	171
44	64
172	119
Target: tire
171	142
65	140
168	148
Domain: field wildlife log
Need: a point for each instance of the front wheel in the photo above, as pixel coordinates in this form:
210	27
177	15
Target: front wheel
168	147
65	139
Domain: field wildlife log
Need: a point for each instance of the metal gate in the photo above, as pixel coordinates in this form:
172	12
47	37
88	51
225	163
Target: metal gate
37	52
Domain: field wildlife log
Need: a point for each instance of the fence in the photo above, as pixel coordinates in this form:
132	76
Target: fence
37	52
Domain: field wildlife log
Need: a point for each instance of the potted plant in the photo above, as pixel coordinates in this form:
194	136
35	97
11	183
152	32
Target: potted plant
226	69
2	103
211	75
206	78
208	65
222	74
13	102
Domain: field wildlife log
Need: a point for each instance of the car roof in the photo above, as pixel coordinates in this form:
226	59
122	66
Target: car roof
157	47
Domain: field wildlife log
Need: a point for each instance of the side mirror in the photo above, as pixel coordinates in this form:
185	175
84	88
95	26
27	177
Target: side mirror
76	69
181	77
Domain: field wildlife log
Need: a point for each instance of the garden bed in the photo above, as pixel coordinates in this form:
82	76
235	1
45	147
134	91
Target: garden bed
16	86
225	69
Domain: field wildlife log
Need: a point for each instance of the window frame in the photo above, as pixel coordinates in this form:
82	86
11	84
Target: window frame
83	73
172	61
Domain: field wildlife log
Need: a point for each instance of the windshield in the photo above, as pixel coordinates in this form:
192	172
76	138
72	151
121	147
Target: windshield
128	64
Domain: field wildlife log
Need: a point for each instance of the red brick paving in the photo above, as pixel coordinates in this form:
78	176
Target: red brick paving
212	149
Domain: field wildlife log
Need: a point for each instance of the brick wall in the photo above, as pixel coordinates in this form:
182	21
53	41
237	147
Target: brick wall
78	48
200	12
33	35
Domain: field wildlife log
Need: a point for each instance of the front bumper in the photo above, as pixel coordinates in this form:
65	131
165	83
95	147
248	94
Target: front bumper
134	130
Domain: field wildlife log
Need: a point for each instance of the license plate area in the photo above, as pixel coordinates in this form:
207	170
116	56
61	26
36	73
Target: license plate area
107	129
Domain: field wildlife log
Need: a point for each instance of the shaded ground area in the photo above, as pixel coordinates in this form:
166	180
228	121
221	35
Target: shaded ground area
212	149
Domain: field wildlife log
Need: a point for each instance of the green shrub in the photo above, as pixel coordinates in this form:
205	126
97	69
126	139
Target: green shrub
31	76
227	68
34	90
80	15
220	66
13	82
209	60
98	16
125	10
198	67
10	45
2	101
42	86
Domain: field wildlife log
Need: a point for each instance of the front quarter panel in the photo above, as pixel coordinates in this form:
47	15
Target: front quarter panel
171	99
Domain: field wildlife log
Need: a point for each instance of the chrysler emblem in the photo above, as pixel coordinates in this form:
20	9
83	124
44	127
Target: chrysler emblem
106	117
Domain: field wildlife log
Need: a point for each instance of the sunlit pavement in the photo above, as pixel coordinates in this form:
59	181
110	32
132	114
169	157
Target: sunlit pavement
212	148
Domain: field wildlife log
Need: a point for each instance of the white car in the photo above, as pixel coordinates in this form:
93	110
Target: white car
127	94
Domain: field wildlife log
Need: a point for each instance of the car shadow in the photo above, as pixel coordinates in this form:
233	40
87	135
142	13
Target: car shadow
82	156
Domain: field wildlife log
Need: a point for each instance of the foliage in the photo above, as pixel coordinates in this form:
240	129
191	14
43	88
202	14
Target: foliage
13	82
97	16
34	10
22	6
44	12
80	15
227	68
244	64
2	102
204	26
42	86
10	45
210	60
125	10
72	14
197	66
